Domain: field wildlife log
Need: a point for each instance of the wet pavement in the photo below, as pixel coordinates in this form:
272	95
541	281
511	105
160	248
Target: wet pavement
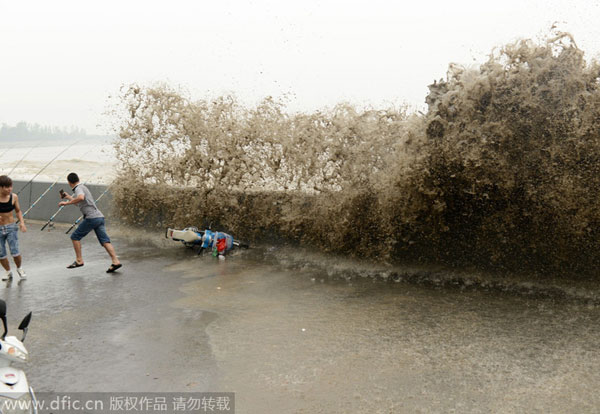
293	339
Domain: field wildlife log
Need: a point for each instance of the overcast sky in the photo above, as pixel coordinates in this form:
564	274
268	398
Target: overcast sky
60	60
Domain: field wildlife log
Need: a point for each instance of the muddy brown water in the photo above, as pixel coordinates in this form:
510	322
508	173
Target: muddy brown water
295	338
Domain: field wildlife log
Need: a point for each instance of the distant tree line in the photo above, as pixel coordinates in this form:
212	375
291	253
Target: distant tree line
26	131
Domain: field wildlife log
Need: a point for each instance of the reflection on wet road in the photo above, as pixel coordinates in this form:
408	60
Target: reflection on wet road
295	340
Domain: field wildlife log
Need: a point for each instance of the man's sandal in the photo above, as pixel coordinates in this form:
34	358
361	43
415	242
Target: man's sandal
113	267
74	265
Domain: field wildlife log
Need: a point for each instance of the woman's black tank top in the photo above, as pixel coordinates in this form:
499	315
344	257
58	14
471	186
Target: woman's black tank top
8	206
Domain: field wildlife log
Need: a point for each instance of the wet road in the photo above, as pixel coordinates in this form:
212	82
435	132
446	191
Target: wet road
294	339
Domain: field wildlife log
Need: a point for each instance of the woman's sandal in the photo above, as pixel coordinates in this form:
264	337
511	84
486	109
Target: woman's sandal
74	265
113	267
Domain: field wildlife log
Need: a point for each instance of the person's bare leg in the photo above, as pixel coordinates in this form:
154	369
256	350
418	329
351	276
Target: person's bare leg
77	247
111	252
5	264
17	260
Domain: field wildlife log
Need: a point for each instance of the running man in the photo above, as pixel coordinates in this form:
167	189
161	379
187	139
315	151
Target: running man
93	219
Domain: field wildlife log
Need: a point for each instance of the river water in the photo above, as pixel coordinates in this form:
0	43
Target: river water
292	340
50	160
292	331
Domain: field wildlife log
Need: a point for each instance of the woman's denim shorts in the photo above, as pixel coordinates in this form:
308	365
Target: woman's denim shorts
10	233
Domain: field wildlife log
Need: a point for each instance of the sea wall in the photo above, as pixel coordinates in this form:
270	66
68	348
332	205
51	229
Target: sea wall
30	193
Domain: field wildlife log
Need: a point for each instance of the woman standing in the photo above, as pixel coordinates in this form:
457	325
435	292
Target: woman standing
8	228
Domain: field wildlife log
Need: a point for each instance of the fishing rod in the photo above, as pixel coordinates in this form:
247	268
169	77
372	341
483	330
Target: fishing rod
19	162
49	188
45	166
79	219
61	207
39	198
51	219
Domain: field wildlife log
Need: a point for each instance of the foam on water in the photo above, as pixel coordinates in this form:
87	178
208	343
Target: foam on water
94	161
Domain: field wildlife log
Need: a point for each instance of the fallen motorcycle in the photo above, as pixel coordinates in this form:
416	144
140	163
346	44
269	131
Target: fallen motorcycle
220	243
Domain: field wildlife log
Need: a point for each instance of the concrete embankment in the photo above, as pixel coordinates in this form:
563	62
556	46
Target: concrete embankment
47	205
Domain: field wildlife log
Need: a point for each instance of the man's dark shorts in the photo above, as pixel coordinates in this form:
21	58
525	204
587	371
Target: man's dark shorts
87	225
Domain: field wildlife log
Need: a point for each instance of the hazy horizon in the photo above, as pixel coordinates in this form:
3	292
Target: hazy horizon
65	61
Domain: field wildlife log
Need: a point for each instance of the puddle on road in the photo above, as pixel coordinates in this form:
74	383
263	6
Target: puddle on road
298	340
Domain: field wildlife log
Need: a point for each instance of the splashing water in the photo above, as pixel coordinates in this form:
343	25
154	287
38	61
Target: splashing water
502	171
